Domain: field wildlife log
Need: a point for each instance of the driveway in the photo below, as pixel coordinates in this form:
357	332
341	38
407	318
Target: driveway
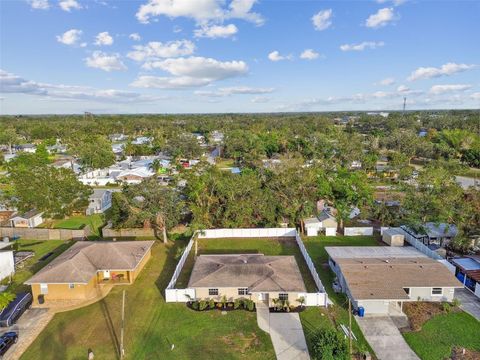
468	302
286	332
385	339
30	324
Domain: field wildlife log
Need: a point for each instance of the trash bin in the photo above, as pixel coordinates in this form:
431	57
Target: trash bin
361	311
41	299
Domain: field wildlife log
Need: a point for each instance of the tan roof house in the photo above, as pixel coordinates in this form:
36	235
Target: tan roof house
80	272
253	276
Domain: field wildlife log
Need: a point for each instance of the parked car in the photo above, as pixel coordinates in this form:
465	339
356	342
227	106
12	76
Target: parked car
6	341
15	309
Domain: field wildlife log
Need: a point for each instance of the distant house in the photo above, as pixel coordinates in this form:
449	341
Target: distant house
79	272
216	137
142	140
118	137
134	176
253	276
380	279
28	148
323	223
99	201
467	270
434	235
30	219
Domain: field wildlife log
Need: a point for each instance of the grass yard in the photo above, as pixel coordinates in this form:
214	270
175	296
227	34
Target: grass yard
151	325
95	222
439	335
33	265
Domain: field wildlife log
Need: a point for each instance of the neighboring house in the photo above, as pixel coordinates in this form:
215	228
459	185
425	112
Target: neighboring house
118	149
434	235
68	164
99	201
467	270
216	137
118	137
7	264
323	223
134	176
78	273
30	219
380	279
28	148
254	276
9	157
142	140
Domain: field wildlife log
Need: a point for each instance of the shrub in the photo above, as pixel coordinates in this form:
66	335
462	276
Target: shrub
329	344
195	305
237	303
446	307
223	301
250	305
211	304
202	305
456	302
230	305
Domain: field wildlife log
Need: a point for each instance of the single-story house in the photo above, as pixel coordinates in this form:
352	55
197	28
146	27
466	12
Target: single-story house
323	223
78	273
99	202
135	176
381	278
467	270
255	276
29	148
30	219
434	235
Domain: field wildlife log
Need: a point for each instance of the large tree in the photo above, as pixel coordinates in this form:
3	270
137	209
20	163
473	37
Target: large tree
147	204
93	151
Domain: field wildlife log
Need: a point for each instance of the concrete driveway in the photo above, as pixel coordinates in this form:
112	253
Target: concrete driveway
30	324
385	339
468	302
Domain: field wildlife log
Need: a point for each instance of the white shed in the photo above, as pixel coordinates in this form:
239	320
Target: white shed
393	237
7	264
324	222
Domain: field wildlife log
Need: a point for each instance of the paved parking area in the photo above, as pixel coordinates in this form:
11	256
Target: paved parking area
468	302
30	324
385	339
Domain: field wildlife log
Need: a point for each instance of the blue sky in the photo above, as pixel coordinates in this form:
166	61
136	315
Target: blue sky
181	56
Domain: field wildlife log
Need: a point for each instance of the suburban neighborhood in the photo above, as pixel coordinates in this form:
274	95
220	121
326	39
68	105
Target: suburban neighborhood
239	180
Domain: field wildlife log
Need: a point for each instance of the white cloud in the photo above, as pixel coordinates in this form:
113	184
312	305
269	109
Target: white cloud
309	54
202	11
216	31
444	70
475	96
155	50
11	83
67	5
381	18
177	29
442	89
234	90
322	19
394	2
104	61
362	46
190	72
386	82
403	89
103	38
39	4
275	56
71	37
135	37
260	99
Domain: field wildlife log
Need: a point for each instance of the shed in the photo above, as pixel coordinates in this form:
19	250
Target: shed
393	237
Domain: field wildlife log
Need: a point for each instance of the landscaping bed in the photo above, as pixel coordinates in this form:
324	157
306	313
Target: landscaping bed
224	305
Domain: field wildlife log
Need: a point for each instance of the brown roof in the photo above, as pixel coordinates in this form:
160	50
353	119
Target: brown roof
385	278
253	271
80	263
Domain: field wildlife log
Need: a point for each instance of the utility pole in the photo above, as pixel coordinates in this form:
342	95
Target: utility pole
122	350
350	327
404	104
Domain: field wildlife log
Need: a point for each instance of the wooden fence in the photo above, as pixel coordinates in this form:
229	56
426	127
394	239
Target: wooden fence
45	234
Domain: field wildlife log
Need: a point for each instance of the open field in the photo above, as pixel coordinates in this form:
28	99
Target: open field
33	265
442	333
152	325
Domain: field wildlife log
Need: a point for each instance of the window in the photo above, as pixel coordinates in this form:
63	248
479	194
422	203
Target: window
212	291
71	286
437	291
407	290
44	289
242	291
283	296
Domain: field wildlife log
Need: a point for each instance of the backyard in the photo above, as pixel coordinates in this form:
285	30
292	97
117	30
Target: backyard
152	326
78	222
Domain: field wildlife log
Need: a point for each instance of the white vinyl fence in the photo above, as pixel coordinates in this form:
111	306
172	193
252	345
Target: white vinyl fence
419	245
358	231
319	298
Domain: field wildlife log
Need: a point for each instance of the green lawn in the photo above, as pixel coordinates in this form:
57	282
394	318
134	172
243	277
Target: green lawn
95	221
33	265
224	163
442	333
152	326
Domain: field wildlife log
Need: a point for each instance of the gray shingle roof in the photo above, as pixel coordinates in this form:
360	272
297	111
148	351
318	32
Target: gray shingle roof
81	262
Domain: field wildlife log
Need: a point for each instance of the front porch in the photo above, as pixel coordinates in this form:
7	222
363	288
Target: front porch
111	277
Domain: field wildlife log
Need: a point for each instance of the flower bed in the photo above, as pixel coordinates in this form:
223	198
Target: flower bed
223	305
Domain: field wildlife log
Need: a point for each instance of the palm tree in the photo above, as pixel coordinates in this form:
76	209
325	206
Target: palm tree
5	299
155	166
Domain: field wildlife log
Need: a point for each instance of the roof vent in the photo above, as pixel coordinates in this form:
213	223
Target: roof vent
386	260
244	261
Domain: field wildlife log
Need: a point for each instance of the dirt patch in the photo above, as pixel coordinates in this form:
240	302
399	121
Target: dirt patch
241	342
464	354
419	313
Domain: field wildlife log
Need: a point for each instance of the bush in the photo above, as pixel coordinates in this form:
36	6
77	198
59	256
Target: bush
237	303
456	302
250	305
329	344
195	305
446	307
203	305
211	304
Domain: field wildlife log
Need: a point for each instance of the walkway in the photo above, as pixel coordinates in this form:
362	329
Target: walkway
385	339
468	302
286	332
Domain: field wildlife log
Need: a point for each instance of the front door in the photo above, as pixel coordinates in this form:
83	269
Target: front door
106	274
263	297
